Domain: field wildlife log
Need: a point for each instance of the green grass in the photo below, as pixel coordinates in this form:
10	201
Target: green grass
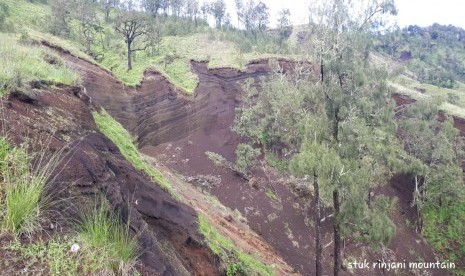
402	86
235	259
444	229
49	258
107	239
271	195
121	138
281	165
179	51
22	63
28	14
23	199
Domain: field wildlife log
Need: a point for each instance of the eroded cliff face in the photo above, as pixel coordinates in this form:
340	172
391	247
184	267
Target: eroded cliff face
181	128
155	112
61	117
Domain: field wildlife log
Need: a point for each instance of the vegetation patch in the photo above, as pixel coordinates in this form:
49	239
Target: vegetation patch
237	261
444	228
53	257
122	139
107	241
23	199
22	63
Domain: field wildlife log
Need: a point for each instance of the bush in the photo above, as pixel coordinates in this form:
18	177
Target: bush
246	157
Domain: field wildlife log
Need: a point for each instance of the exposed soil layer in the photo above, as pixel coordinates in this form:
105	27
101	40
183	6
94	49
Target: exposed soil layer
57	118
285	221
177	130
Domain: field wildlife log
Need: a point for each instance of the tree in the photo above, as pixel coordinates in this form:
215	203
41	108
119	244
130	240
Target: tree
262	15
339	43
248	16
176	7
192	9
85	14
284	25
165	5
107	5
152	6
346	116
218	11
435	150
61	17
205	10
246	157
239	6
133	26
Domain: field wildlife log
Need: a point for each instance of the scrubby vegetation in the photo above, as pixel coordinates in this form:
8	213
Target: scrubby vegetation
435	53
122	139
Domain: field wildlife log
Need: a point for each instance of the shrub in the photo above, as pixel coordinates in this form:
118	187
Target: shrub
246	157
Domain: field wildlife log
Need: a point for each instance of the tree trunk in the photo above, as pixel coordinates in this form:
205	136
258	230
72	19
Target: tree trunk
318	246
107	14
129	56
337	237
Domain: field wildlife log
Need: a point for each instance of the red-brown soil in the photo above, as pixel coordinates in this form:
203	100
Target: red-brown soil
60	117
177	131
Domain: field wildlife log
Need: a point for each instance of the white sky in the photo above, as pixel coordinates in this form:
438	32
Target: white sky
411	12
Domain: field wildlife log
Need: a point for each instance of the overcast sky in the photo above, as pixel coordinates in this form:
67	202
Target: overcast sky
411	12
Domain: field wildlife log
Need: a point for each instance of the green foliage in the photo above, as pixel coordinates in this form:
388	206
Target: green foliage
121	138
281	165
271	195
23	63
444	228
4	13
53	257
23	200
236	260
436	150
108	240
452	98
436	52
235	269
246	157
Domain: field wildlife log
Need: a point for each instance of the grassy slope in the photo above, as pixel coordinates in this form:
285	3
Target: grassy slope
122	139
181	50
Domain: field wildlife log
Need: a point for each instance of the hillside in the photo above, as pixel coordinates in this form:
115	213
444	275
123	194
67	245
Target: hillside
218	151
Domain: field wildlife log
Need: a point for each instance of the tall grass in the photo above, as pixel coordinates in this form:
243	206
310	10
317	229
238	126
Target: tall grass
108	239
24	198
23	63
121	138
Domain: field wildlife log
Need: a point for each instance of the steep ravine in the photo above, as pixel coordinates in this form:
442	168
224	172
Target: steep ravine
177	130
